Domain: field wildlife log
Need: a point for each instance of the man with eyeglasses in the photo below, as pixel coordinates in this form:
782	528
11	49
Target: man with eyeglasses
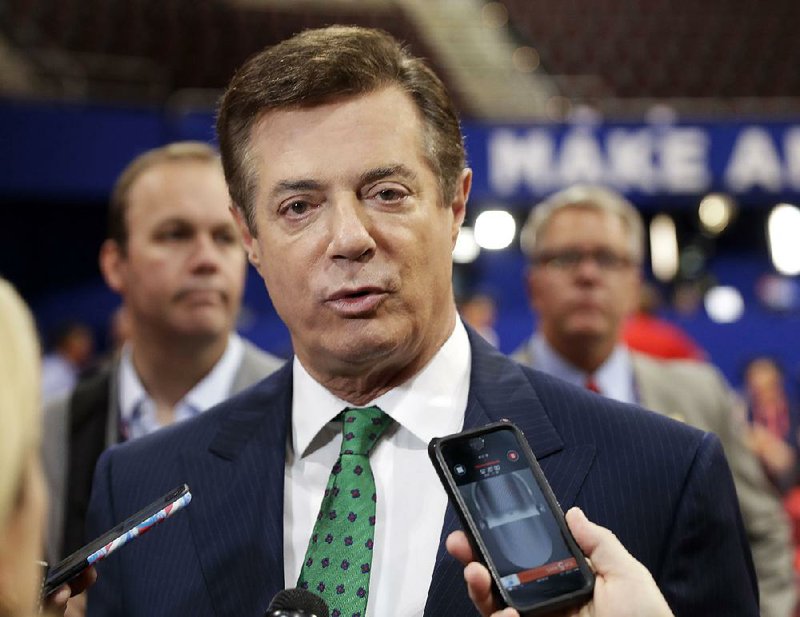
585	247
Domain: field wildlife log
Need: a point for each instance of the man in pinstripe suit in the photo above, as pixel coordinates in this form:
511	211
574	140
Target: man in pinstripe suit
346	165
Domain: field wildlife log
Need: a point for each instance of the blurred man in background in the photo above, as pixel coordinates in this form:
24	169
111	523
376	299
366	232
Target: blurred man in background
479	311
585	248
175	256
71	352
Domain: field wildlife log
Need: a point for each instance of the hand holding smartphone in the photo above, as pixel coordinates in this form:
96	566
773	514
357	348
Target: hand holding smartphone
130	529
512	519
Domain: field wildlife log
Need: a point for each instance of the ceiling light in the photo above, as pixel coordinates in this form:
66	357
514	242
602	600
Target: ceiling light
466	249
783	231
663	247
494	229
724	304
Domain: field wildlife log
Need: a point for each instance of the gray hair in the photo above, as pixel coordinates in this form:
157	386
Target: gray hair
589	196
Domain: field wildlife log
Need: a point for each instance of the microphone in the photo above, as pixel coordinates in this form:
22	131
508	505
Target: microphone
297	603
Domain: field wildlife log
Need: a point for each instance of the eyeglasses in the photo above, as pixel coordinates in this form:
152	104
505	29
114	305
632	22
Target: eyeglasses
568	260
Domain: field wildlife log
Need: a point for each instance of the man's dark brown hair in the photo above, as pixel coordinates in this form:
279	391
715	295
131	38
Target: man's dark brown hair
323	65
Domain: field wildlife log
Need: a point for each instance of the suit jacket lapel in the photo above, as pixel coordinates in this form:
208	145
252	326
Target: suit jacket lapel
237	511
500	389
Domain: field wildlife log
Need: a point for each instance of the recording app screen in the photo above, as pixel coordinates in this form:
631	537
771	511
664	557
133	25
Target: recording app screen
521	534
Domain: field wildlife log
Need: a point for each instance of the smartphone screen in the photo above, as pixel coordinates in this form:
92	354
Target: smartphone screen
527	546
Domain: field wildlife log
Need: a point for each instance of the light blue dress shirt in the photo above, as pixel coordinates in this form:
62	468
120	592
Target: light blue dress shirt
614	378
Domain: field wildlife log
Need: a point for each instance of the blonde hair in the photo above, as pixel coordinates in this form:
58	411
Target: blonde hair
19	394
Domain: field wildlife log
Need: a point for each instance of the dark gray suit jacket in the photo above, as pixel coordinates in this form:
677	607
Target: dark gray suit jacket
78	427
696	393
663	487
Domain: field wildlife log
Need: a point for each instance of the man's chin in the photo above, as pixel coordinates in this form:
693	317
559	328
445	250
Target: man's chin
588	332
361	348
206	327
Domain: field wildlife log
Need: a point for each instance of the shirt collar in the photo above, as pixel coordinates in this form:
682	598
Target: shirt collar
614	377
430	403
214	388
131	390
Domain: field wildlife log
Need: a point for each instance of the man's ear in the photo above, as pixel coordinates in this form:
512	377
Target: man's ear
248	240
459	203
112	262
635	292
531	285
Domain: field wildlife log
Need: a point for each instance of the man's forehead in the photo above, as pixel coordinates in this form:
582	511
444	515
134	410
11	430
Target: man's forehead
564	220
176	166
387	115
187	210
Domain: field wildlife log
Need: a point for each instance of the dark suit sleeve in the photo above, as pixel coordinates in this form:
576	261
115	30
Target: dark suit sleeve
708	569
106	596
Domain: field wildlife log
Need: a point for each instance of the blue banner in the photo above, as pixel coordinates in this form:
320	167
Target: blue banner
648	162
68	152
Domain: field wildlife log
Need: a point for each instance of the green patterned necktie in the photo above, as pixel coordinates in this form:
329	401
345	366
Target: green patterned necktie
339	555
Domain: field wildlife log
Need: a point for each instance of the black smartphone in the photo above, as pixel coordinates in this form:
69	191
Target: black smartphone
129	529
512	518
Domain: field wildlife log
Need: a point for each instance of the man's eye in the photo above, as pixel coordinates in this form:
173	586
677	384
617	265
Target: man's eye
607	260
390	195
174	234
297	207
567	259
226	238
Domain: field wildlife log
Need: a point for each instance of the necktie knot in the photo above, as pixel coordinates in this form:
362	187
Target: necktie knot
361	429
591	384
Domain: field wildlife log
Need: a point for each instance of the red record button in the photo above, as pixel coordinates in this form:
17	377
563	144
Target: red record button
513	456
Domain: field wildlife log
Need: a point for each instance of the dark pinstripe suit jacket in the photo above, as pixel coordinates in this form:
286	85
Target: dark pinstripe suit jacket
662	487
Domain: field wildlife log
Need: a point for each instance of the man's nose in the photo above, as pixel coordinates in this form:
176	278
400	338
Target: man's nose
350	230
205	254
588	268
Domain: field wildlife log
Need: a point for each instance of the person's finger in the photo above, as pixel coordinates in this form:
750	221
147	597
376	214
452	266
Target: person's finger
83	581
76	607
58	599
458	546
598	543
479	588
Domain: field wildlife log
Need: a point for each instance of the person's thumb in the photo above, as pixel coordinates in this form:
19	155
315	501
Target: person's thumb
598	543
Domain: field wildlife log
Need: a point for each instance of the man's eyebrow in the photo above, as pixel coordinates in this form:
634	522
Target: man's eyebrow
372	175
380	173
289	186
173	220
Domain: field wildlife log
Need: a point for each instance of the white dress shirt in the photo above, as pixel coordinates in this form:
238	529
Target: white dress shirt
138	411
614	378
411	501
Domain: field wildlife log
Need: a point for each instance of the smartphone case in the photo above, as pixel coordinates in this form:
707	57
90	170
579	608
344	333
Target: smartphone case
470	526
117	537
